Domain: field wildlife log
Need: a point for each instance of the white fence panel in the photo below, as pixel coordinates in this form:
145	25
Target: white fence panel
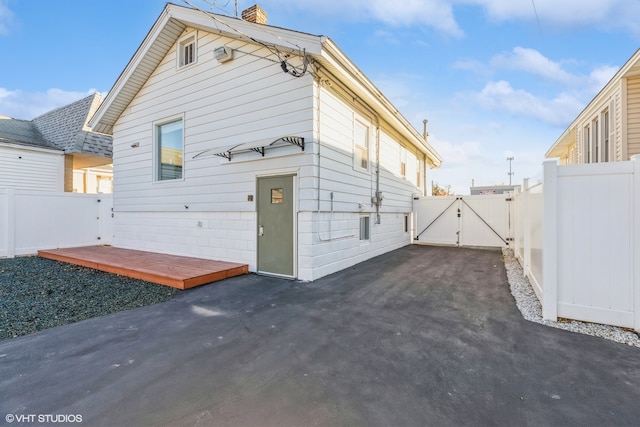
479	220
486	220
437	220
529	231
31	220
595	242
578	239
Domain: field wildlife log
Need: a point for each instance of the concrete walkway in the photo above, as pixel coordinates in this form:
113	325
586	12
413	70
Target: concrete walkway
419	336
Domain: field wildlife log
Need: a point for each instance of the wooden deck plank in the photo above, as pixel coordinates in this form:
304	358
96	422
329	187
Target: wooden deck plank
170	270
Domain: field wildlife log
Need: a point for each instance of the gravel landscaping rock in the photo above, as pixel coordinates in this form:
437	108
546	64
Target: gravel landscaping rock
531	309
38	293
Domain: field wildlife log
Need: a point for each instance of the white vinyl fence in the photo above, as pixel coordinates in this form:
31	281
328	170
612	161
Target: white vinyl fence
31	220
479	220
578	239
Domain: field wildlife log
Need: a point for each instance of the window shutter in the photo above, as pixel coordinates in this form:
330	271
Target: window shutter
612	131
579	145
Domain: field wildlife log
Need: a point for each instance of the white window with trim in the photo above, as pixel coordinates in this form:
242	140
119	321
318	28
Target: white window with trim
586	144
365	228
169	149
361	138
187	50
606	145
403	162
595	139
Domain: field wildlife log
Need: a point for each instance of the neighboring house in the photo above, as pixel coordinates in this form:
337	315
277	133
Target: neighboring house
56	151
239	141
493	189
608	129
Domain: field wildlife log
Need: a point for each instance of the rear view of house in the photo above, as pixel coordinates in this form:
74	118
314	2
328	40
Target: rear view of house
608	129
243	142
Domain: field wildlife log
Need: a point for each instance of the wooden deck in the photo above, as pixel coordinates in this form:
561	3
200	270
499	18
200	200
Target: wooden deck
170	270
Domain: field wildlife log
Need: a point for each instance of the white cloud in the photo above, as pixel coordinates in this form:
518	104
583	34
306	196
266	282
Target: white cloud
500	96
600	76
472	65
437	14
6	16
440	14
532	61
457	155
27	105
606	14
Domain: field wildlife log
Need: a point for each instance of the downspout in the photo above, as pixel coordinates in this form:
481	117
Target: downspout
425	135
374	115
378	194
320	82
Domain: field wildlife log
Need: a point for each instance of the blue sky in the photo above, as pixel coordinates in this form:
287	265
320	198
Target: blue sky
495	78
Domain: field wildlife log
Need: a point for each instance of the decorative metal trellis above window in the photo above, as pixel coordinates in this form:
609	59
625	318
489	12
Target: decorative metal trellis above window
257	146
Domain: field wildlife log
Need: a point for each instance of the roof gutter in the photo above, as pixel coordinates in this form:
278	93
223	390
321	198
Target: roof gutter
338	59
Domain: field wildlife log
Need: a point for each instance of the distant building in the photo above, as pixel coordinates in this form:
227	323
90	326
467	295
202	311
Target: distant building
493	189
608	129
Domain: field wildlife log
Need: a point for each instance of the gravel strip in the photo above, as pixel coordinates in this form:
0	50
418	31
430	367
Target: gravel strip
38	293
531	309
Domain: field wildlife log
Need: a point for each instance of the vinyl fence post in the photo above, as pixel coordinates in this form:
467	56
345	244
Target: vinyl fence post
635	242
11	223
550	241
526	230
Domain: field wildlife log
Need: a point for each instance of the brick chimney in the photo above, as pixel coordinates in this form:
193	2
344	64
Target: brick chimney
255	14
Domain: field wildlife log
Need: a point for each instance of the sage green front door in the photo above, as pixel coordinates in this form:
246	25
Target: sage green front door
276	226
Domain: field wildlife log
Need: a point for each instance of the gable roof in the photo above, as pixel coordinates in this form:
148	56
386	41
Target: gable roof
175	19
22	132
66	128
568	137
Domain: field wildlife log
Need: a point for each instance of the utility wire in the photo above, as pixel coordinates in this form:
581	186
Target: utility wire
286	66
535	11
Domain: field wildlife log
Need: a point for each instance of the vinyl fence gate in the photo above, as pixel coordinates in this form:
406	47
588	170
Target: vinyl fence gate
479	220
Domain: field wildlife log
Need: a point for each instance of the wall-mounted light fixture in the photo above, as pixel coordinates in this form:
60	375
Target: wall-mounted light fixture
135	145
223	54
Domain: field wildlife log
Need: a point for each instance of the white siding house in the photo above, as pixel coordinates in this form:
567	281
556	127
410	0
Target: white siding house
608	129
243	142
56	151
29	167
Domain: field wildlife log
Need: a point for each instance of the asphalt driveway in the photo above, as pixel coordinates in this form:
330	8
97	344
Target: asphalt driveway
416	337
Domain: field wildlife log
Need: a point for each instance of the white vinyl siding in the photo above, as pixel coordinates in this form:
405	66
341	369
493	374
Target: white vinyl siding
245	100
633	116
31	169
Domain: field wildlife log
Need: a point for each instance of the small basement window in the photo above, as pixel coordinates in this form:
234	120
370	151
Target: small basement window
187	52
365	227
